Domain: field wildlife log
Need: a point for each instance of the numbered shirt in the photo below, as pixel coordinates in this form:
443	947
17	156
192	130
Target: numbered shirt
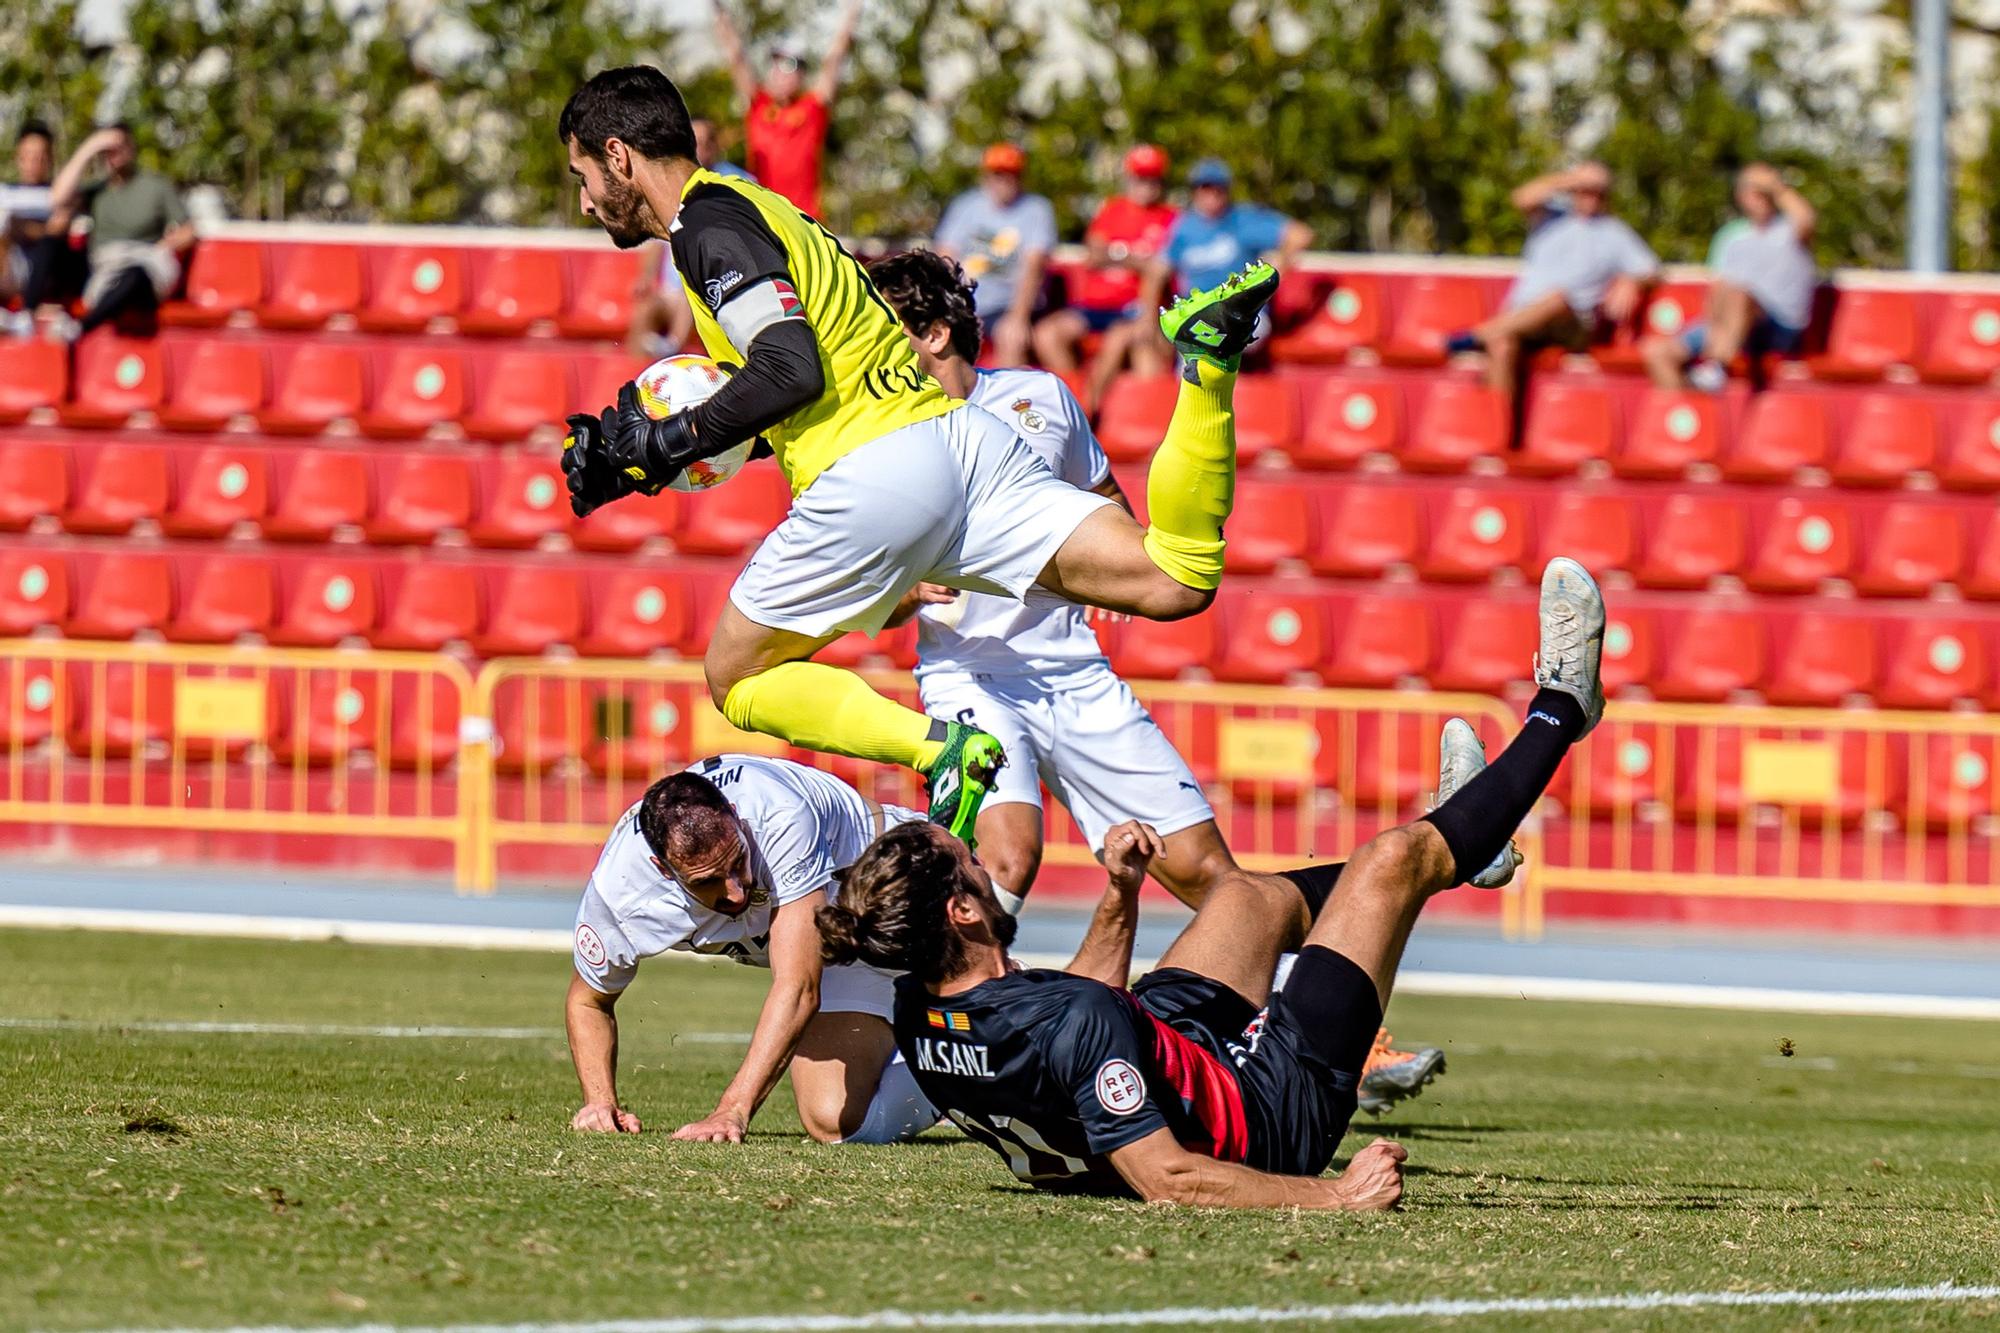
990	635
1052	1071
804	825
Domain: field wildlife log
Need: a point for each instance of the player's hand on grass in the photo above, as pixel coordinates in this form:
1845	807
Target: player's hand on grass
721	1127
1373	1180
604	1118
1128	849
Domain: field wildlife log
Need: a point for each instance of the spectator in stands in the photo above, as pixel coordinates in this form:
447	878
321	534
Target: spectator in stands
1128	231
24	216
785	127
139	230
1002	236
1215	236
708	149
1762	297
1581	270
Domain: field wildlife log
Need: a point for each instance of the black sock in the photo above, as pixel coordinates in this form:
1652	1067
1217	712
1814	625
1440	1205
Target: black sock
1478	820
1315	884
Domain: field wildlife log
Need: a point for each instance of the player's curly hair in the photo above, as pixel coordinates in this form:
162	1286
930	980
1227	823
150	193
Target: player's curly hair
926	288
681	813
890	912
633	103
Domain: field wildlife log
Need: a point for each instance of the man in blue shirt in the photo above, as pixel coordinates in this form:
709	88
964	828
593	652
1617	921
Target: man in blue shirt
1212	238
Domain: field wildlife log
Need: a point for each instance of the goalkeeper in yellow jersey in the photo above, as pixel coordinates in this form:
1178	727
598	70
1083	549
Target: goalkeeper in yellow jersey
894	482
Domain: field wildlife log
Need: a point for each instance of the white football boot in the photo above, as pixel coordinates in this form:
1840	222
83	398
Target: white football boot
1461	756
1572	638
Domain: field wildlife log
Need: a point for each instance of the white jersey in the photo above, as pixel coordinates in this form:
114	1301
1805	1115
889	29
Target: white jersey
989	635
804	825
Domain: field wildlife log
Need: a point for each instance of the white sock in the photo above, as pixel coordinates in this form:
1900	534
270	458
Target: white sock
898	1111
1010	900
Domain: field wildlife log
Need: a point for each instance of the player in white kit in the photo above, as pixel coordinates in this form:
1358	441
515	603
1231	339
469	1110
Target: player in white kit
732	858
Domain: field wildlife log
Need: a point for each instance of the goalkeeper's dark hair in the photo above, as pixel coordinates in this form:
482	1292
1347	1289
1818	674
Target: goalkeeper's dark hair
635	104
927	288
682	814
890	912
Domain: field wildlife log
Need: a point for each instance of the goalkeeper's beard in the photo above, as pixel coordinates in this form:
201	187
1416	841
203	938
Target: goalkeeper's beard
624	213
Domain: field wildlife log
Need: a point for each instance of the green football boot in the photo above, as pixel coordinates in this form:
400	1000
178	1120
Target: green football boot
959	778
1216	325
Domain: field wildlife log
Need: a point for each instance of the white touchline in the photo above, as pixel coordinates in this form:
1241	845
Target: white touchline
247	1029
1197	1315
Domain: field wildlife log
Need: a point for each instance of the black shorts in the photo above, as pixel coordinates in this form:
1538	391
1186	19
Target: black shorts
1298	1061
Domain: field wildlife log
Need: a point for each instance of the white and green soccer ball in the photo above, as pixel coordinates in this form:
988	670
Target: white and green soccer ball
674	384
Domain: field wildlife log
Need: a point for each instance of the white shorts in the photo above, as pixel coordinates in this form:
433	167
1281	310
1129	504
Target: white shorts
856	988
1083	734
957	500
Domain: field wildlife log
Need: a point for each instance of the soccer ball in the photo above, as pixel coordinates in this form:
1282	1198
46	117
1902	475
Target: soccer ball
674	384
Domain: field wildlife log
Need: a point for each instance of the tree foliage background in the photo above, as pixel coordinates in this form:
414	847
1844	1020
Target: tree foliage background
1385	124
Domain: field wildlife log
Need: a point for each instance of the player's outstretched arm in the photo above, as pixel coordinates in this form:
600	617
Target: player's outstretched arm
1106	952
589	1017
731	42
790	1005
1162	1171
836	53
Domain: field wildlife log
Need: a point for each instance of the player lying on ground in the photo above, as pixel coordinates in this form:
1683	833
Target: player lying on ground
1188	1088
893	481
733	857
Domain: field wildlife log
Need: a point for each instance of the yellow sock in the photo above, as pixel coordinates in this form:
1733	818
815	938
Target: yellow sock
825	708
1192	481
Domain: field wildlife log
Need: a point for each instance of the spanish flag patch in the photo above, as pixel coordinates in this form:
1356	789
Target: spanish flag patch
950	1022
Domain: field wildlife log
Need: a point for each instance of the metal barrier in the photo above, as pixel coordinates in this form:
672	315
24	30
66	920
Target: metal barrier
234	740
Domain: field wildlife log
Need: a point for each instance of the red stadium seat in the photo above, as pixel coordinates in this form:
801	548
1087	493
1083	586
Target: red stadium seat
33	374
1867	775
125	483
1711	652
327	489
1272	634
423	721
118	707
598	380
115	377
1624	767
323	715
434	605
1271	523
1806	541
656	735
534	607
1973	463
1430	309
516	392
1695	537
1267	415
1933	663
1957	781
1982	573
855	649
731	519
1383	639
599	294
1781	433
512	289
226	484
1133	417
224	277
315	386
1461	420
1870	332
1885	437
310	284
1363	530
1488	646
418	386
124	592
1395	761
635	612
1670	430
628	524
1162	650
539	723
409	286
1670	308
525	498
329	599
1478	533
34	590
1821	658
213	381
1569	422
1913	546
1599	531
420	495
227	596
1351	315
1631	646
1351	417
1965	344
33	700
34	481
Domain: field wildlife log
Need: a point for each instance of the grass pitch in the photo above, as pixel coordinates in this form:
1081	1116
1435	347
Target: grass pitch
181	1178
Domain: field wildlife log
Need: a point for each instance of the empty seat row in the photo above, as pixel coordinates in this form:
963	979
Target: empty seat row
580	292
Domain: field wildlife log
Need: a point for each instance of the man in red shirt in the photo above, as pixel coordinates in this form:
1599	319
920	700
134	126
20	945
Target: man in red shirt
1126	233
785	130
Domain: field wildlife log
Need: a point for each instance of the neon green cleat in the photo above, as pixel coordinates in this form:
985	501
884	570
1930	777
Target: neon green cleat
959	778
1219	323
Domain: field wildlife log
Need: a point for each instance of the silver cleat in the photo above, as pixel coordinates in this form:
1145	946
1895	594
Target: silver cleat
1461	756
1572	637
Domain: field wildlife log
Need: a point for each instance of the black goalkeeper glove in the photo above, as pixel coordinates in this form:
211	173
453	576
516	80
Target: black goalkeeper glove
649	452
594	481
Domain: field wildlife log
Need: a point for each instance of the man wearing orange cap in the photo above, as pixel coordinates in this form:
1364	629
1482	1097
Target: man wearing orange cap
1003	236
1126	233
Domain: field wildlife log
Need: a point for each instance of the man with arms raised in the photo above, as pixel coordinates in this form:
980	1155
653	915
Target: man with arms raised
1189	1087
